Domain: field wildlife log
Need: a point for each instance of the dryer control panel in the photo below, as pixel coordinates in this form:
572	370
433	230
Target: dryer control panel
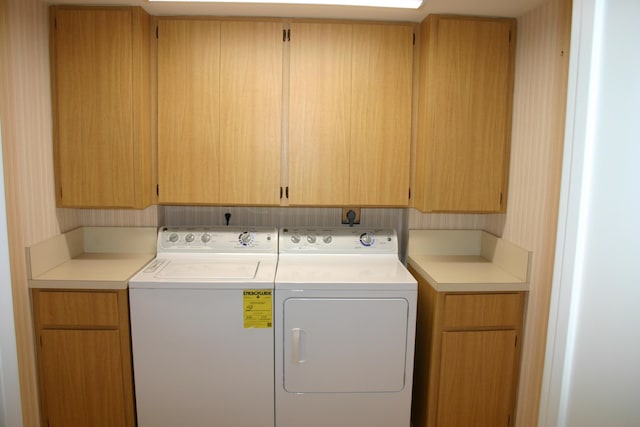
338	240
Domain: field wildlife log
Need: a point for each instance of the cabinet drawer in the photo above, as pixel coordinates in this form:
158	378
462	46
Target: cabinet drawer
79	309
483	310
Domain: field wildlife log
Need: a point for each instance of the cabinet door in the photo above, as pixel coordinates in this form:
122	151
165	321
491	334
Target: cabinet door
93	107
188	110
251	112
320	114
381	114
476	378
464	126
82	378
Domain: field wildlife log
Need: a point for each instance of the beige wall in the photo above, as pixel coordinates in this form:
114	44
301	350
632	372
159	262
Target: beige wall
72	218
536	163
26	135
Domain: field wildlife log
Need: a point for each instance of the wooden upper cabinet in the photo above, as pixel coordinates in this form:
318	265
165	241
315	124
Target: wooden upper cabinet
219	111
382	66
349	114
320	113
100	69
188	110
464	118
251	112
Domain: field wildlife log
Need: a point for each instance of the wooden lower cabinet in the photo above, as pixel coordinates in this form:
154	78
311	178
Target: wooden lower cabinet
84	358
467	357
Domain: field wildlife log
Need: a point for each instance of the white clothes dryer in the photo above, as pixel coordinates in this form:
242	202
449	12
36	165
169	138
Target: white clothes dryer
202	333
344	316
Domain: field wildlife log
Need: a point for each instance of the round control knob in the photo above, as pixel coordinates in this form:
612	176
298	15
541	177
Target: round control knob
189	237
245	238
311	238
295	238
173	237
206	238
367	239
327	239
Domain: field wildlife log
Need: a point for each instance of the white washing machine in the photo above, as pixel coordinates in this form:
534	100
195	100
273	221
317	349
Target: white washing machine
344	316
202	333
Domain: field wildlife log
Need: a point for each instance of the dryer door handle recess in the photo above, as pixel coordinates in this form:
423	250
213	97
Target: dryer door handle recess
297	336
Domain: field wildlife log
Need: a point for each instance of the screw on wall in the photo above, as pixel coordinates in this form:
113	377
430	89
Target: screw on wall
351	216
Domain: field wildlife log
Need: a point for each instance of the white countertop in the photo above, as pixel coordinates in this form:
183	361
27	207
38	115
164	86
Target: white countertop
468	261
91	258
93	271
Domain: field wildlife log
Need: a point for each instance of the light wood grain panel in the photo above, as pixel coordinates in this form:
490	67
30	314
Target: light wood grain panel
78	309
464	118
188	110
126	357
473	112
320	118
484	311
426	365
94	107
382	63
84	357
477	390
88	364
421	173
251	115
143	84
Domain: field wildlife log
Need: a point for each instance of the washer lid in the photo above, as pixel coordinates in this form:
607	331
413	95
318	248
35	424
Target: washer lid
215	271
185	269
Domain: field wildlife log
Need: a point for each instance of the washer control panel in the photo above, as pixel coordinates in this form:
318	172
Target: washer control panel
338	240
217	239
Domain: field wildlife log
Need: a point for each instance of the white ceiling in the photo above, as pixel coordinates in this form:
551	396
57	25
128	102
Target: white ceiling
509	8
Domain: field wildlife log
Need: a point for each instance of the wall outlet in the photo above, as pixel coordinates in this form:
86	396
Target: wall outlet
345	215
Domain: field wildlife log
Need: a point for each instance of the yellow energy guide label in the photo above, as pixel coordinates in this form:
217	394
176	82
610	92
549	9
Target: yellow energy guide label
258	308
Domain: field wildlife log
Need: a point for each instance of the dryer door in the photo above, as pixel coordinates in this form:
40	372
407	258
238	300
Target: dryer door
345	345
